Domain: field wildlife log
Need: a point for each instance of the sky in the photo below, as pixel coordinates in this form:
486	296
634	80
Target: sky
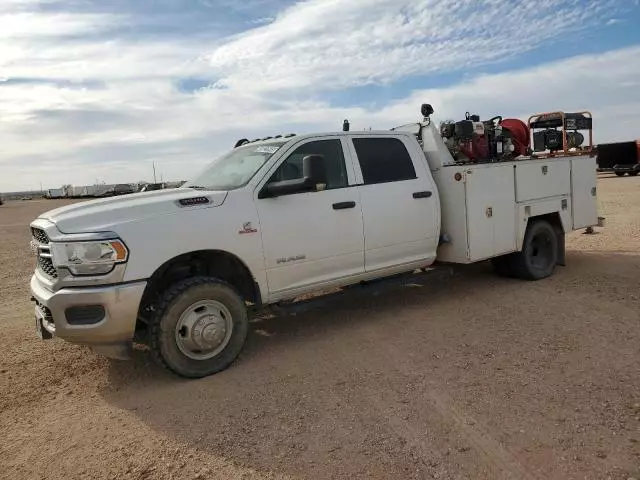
99	91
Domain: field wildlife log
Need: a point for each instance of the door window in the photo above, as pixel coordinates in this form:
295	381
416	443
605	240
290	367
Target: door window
291	168
383	160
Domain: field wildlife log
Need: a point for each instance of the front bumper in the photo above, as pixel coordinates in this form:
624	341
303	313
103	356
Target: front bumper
112	334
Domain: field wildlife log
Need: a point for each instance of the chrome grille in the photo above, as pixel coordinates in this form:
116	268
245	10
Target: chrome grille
45	263
40	236
46	266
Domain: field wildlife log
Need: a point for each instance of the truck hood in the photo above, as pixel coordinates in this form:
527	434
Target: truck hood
102	214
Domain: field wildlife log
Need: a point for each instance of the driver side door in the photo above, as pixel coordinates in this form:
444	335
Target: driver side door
311	239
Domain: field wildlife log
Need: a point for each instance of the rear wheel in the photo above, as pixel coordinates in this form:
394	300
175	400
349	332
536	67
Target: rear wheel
199	327
634	173
539	254
620	174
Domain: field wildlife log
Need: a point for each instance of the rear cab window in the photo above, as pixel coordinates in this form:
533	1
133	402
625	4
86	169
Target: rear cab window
383	160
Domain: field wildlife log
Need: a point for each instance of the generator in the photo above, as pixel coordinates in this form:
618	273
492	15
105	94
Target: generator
561	132
496	139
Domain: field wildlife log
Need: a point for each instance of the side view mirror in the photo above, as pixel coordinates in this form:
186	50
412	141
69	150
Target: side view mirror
314	168
314	178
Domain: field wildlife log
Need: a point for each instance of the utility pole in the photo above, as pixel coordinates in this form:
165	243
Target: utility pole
154	172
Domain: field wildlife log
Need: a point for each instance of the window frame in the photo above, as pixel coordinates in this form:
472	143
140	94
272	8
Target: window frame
286	153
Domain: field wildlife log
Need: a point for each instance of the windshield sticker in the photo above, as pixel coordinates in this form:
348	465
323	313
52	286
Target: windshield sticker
266	149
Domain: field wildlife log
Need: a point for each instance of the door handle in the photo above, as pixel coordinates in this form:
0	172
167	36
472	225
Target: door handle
343	205
422	194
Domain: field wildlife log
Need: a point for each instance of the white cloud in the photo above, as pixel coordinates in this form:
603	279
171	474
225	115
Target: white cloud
338	44
32	26
606	83
106	106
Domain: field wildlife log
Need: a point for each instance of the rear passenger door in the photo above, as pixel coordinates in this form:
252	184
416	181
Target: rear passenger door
400	205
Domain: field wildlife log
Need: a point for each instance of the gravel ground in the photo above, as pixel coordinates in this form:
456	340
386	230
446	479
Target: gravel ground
458	374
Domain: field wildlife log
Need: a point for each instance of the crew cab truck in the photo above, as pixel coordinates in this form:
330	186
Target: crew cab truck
280	217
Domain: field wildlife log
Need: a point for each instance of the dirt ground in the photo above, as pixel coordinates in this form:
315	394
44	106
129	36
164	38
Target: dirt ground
457	375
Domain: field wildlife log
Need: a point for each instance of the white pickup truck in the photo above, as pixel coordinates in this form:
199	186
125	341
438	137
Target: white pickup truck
276	218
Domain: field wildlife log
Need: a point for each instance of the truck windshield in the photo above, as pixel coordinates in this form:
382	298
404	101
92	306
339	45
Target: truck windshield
234	169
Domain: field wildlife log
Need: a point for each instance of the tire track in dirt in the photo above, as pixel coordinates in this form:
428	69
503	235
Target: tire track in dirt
501	462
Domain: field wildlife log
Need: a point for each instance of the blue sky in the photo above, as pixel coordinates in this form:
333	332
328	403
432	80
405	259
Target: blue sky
99	90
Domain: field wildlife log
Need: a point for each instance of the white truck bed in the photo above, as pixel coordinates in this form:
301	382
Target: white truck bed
498	198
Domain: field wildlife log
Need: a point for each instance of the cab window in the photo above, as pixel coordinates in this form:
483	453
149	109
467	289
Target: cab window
291	168
383	160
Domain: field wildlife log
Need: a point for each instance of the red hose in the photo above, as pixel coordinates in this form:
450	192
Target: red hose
519	134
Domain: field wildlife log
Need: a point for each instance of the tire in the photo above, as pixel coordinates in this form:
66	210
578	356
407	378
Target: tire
539	254
199	327
620	174
633	174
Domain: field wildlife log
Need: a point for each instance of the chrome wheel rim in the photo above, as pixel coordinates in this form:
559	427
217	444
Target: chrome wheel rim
204	330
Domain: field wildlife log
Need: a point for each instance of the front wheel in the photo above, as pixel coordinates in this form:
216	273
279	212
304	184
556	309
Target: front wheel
634	173
539	254
620	174
199	327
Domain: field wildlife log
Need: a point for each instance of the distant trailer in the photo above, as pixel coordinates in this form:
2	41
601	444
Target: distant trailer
621	157
89	191
76	192
55	193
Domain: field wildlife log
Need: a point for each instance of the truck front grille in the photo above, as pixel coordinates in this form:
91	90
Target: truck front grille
45	263
40	236
46	266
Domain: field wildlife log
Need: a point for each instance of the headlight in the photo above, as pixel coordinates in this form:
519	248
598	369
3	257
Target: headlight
89	258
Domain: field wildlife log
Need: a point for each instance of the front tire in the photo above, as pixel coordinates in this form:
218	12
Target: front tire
539	254
199	327
634	173
620	174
